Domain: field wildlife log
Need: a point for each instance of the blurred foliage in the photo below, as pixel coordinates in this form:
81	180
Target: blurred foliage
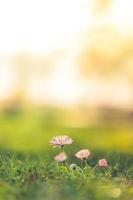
101	6
107	52
32	129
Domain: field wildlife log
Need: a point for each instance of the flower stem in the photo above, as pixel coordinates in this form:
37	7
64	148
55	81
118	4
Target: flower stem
93	169
86	163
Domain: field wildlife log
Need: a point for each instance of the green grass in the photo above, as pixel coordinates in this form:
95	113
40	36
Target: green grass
37	176
28	170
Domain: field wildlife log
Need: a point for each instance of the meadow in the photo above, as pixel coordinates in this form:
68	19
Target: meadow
28	169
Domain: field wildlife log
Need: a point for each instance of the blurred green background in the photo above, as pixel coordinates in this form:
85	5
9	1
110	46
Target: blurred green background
32	128
77	81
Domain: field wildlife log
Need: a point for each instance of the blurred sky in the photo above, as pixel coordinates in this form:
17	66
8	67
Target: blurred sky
42	26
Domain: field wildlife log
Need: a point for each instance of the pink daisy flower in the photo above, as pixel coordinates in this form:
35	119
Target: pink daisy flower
61	157
103	163
83	154
60	141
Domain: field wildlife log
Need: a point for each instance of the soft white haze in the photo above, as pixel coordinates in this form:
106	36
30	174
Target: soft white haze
41	26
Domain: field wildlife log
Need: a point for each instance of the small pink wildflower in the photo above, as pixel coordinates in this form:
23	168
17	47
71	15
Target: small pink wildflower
83	154
61	157
103	163
60	141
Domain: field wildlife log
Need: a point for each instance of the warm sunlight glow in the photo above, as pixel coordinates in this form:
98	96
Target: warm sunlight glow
6	80
62	86
40	27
